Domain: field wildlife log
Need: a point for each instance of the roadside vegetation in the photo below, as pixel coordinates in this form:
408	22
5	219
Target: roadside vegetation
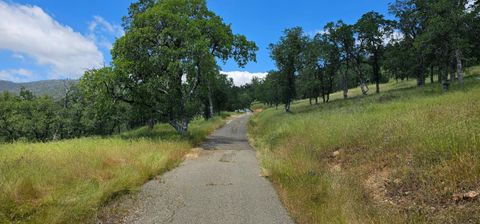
408	155
68	181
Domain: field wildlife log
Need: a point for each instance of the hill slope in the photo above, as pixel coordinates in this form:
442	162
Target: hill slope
408	155
53	88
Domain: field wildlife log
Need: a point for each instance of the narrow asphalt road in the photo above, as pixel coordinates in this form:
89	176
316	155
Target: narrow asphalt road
222	185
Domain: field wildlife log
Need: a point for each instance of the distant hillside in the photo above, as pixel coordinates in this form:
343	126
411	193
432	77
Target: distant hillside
53	88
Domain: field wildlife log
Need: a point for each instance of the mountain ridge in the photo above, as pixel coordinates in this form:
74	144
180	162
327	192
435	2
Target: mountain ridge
54	88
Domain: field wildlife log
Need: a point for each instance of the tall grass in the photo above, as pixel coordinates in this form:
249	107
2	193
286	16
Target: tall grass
395	157
68	181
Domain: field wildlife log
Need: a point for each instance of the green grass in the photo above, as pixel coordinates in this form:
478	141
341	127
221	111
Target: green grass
474	71
401	156
68	181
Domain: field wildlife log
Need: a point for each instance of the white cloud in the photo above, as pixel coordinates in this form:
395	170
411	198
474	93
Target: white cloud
18	56
102	32
16	75
470	6
395	36
100	22
241	78
315	32
28	30
470	3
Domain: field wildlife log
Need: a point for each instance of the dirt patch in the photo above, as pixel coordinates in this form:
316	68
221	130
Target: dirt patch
469	196
115	211
396	195
335	161
265	172
196	153
376	185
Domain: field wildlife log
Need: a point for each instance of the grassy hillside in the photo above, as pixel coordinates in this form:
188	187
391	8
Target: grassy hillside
408	155
68	181
53	88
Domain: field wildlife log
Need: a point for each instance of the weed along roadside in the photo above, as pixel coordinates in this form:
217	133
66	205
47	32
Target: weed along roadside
68	181
408	155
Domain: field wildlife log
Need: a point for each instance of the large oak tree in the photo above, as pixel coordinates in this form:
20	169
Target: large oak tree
169	51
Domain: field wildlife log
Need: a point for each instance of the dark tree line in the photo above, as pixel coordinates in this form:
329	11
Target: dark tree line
32	118
429	38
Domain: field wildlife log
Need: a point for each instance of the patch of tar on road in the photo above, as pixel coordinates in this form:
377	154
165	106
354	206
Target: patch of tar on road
222	185
227	157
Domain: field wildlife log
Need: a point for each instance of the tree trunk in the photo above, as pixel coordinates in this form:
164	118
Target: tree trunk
458	56
440	74
345	84
452	72
445	83
291	91
364	88
151	123
180	126
210	99
420	77
287	107
431	74
376	73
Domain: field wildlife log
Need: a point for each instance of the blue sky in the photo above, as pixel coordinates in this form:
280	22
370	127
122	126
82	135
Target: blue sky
50	39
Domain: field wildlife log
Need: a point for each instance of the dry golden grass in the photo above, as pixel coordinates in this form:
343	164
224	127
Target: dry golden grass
396	157
68	181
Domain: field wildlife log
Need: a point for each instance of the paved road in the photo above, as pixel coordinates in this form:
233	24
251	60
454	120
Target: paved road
222	186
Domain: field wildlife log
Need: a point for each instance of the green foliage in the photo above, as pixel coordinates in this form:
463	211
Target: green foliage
105	113
26	117
270	90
